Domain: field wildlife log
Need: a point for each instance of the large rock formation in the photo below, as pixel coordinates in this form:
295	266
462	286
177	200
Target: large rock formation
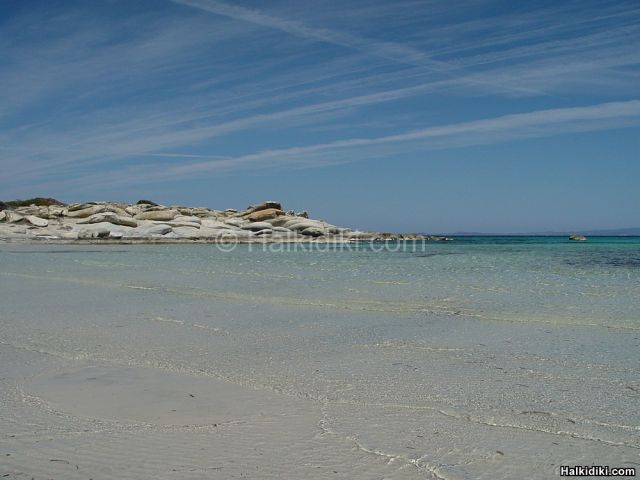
266	214
146	221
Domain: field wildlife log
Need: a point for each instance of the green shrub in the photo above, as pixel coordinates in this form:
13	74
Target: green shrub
39	201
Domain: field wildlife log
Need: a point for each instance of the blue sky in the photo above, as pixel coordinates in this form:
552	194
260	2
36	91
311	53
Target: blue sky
427	115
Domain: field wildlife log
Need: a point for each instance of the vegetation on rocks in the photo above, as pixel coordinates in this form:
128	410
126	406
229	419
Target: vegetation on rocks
37	201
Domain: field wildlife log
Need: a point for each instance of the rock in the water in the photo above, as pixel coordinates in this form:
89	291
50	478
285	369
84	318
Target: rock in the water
577	238
265	214
36	221
158	215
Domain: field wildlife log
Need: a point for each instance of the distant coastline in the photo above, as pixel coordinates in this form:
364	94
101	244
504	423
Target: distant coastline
619	232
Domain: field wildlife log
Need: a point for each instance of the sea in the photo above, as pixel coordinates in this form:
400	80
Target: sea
480	357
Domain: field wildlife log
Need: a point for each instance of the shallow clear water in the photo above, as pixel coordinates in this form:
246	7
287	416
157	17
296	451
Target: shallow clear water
486	357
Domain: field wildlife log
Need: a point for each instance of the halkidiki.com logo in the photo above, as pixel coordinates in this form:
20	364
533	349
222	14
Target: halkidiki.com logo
229	241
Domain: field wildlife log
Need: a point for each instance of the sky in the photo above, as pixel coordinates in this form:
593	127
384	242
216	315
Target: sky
405	115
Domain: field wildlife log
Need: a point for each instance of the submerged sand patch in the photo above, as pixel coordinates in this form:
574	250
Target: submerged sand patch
142	423
147	395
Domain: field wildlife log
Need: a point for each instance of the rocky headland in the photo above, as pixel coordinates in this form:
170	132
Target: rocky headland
45	219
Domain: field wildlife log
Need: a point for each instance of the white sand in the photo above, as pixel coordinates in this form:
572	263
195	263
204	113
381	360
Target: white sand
144	423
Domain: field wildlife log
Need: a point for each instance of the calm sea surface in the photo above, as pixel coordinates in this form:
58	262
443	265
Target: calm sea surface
484	357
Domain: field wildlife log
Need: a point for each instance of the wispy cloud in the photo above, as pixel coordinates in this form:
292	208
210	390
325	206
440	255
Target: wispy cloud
169	127
386	50
487	131
391	51
175	87
498	129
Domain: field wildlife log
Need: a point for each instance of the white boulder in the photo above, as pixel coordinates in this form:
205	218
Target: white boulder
86	212
36	221
158	215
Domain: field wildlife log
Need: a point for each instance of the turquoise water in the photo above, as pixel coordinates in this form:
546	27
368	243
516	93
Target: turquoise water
484	357
544	240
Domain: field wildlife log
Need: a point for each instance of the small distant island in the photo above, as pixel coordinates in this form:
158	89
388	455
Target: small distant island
47	219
